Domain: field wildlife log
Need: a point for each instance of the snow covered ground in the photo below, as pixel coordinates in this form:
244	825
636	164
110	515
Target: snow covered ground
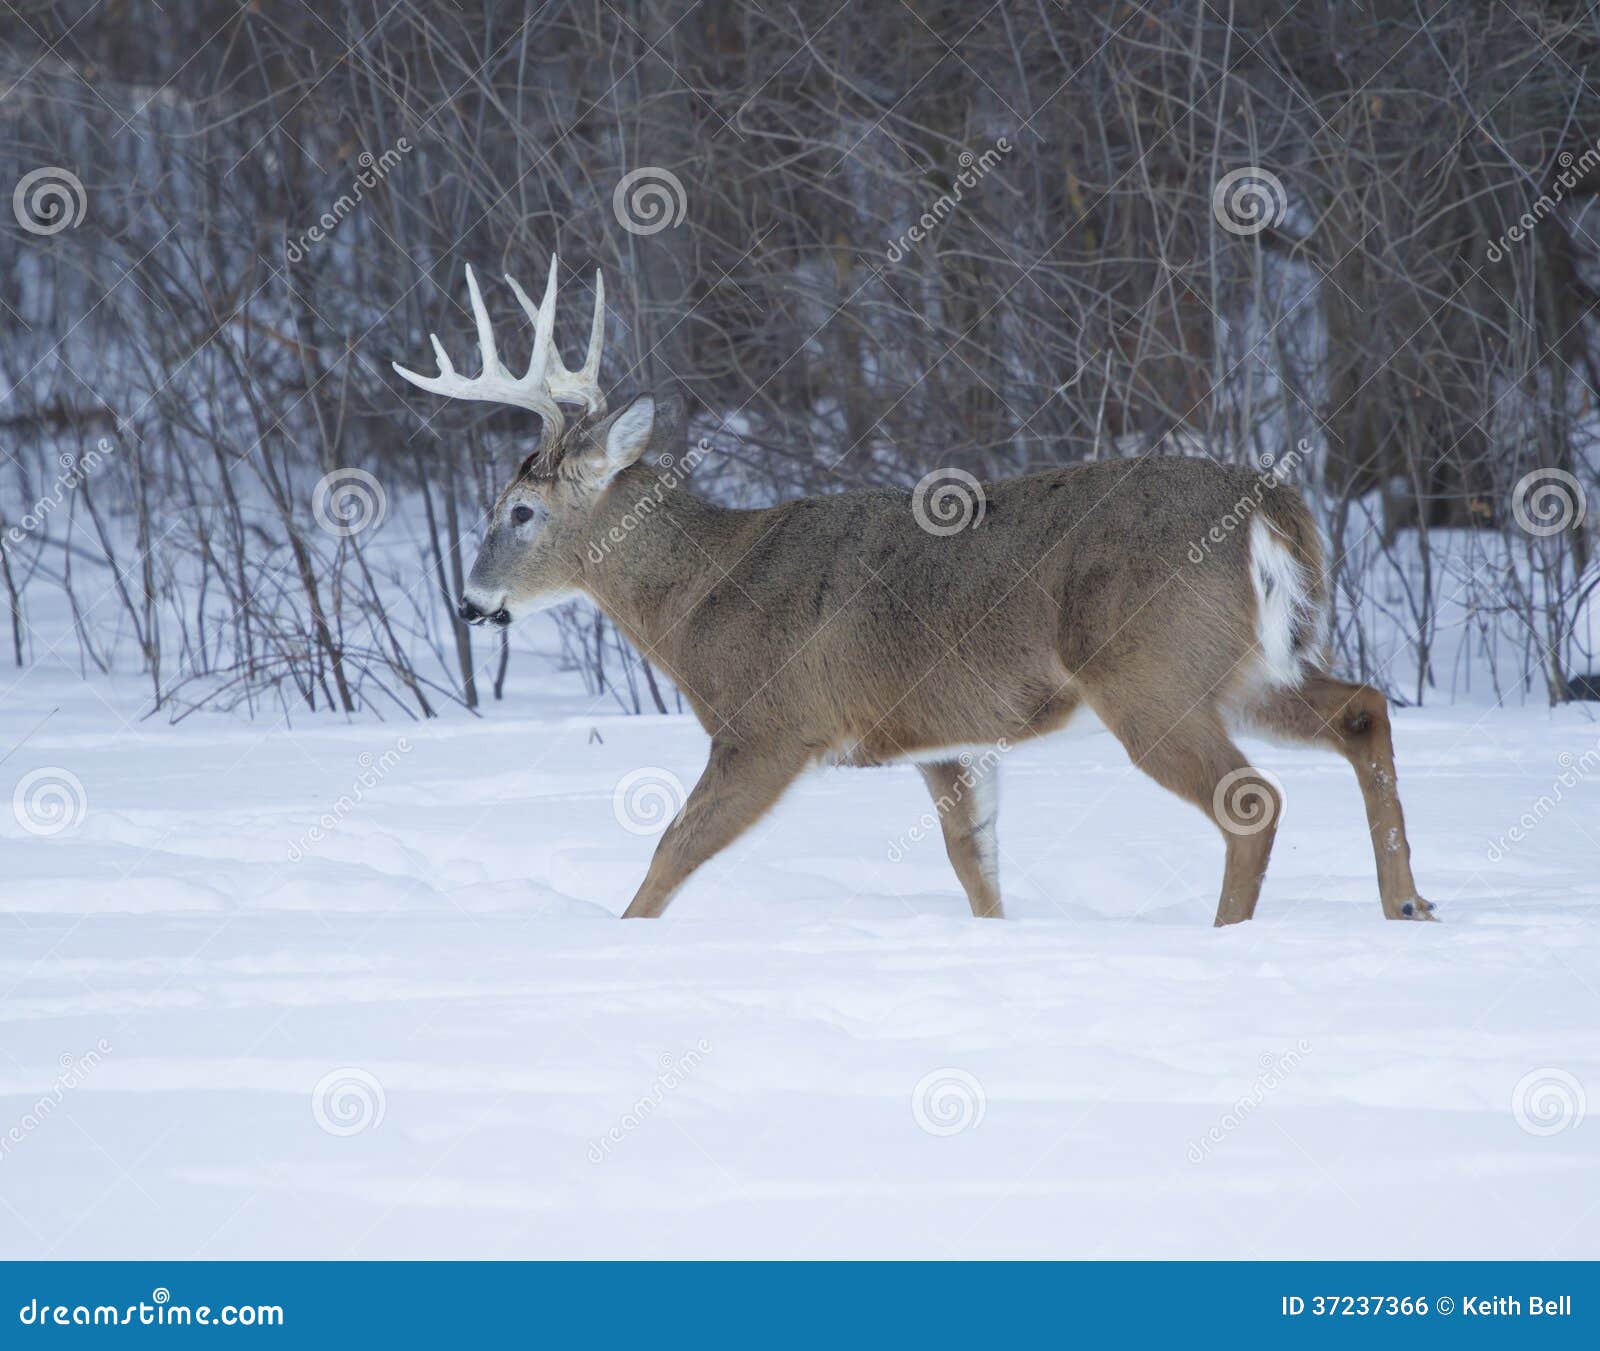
417	1029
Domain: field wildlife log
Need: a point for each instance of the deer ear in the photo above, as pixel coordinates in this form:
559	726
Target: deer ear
624	437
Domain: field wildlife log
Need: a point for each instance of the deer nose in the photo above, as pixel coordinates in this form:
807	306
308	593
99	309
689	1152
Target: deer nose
501	617
469	612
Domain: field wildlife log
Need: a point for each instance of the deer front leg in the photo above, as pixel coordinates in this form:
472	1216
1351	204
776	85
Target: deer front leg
968	801
735	789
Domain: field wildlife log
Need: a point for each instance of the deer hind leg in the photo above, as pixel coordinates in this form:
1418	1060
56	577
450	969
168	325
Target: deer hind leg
968	801
1354	720
733	792
1194	758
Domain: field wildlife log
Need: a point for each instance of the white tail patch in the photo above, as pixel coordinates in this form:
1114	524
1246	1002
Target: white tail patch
1284	606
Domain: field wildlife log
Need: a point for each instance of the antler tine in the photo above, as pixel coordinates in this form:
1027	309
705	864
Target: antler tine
492	369
543	318
590	374
494	384
445	368
434	384
580	386
547	380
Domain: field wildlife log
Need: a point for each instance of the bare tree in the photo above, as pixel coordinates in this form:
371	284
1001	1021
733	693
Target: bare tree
866	241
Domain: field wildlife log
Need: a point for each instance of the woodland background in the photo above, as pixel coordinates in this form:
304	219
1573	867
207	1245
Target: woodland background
196	348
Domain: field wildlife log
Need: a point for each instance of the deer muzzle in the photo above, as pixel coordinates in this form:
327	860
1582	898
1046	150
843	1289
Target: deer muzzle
472	614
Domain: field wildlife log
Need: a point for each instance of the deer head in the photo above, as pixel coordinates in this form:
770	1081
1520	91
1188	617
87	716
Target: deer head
538	528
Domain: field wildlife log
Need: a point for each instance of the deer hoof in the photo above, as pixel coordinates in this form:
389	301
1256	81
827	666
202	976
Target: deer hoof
1417	908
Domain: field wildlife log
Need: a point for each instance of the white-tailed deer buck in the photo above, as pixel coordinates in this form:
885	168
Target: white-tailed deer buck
1175	597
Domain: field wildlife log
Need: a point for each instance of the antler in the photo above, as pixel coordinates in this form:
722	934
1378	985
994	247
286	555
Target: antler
547	381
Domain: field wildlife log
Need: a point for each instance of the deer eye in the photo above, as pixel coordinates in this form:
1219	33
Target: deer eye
521	515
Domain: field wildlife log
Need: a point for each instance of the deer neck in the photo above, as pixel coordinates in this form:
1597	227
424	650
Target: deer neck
652	555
